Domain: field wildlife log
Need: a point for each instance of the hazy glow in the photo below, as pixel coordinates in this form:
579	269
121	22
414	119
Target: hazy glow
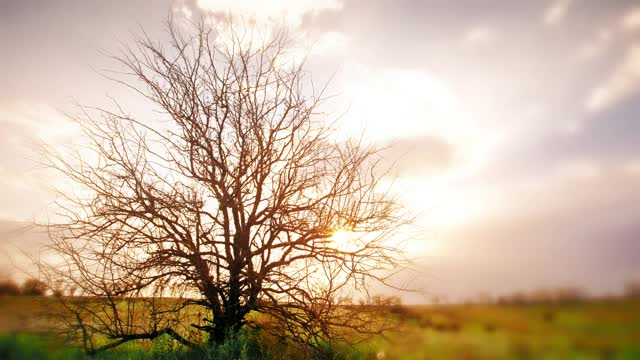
329	42
344	240
440	203
400	103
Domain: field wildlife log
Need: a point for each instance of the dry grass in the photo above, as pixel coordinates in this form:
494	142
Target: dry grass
597	329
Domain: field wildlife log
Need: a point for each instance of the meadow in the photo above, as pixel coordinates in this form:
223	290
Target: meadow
595	329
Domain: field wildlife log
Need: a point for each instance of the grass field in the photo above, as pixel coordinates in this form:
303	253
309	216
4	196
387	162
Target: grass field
591	330
594	330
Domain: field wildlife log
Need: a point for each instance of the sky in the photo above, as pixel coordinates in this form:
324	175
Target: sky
512	124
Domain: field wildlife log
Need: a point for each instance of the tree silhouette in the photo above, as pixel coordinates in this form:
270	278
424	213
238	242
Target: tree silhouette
186	226
9	287
33	287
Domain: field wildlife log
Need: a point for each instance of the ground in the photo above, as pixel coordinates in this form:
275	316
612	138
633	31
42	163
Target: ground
598	329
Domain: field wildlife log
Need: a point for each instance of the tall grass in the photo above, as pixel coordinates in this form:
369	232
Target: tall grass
244	346
595	329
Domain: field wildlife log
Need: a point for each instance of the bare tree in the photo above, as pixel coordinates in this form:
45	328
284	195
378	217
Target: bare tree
184	227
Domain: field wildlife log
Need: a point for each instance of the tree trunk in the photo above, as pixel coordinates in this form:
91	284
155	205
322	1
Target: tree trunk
223	329
232	318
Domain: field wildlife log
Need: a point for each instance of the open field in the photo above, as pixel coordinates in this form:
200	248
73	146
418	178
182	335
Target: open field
603	329
592	330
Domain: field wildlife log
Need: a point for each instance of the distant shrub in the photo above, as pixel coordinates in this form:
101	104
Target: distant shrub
9	287
561	295
33	287
568	295
632	290
489	327
549	316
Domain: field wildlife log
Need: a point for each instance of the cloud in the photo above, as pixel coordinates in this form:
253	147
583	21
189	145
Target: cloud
623	82
422	116
260	20
631	20
293	11
556	12
391	103
479	35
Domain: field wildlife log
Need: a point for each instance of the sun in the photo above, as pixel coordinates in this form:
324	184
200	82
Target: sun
340	236
344	240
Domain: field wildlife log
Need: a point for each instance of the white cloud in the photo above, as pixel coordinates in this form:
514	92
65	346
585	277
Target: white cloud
479	35
623	81
292	11
556	12
631	20
262	19
393	103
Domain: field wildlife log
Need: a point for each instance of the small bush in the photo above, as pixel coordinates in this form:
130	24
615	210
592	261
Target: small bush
632	290
33	287
9	287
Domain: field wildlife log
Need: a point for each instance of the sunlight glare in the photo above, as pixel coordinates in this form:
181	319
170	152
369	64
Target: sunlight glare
343	240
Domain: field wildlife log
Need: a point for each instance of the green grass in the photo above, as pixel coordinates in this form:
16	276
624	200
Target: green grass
591	330
38	347
28	346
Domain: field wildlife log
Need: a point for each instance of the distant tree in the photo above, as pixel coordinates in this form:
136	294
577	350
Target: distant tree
9	287
632	290
560	295
229	207
33	287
